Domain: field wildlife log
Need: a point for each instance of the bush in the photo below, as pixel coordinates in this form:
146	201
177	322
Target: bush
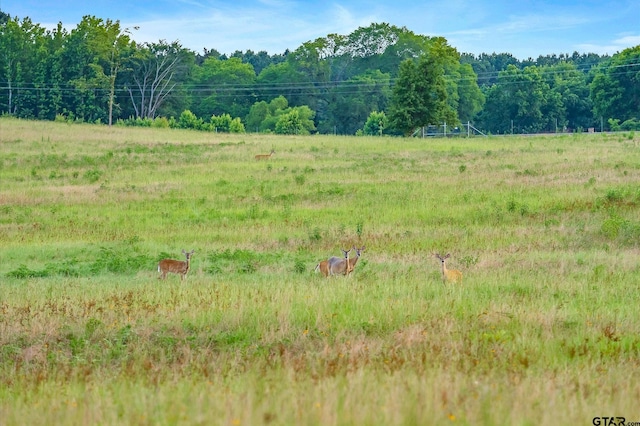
189	120
160	123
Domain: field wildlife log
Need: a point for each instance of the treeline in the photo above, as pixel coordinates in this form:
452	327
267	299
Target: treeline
378	79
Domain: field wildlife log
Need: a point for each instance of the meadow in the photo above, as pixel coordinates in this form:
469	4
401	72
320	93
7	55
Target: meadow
544	328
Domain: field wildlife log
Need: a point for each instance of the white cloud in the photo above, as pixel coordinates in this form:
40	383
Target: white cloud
628	40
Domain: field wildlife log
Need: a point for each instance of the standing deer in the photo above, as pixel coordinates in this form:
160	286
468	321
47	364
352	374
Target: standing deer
265	156
323	267
354	260
175	266
334	265
339	265
448	275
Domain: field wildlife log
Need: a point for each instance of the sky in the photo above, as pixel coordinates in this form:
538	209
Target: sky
523	28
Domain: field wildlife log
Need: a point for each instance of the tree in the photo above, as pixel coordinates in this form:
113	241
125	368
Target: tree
21	47
615	89
157	71
295	121
112	46
571	86
278	117
80	64
224	123
470	97
219	86
351	102
522	102
420	96
258	61
283	79
375	124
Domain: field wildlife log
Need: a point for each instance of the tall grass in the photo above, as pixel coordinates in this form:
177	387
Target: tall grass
543	329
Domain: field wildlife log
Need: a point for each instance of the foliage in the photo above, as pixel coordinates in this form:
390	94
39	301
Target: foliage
225	123
376	124
276	116
615	89
419	95
295	121
189	120
95	73
222	87
523	102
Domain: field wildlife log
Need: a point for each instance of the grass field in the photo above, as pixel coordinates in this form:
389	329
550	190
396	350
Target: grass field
544	328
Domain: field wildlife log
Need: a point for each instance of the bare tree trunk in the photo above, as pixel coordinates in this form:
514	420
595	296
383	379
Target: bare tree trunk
153	81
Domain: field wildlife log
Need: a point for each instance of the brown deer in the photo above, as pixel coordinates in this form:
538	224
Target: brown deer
334	265
265	156
352	262
175	266
448	275
323	267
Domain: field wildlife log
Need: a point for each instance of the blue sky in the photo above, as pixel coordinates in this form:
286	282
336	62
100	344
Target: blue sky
524	28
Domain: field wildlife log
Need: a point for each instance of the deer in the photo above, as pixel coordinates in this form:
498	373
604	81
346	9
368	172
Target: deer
323	267
175	266
448	275
334	265
339	265
352	262
265	156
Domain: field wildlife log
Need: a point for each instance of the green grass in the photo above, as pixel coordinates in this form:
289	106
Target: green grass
543	329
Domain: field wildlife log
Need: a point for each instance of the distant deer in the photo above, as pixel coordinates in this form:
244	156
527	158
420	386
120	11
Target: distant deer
352	262
265	156
448	275
334	265
175	266
323	267
337	265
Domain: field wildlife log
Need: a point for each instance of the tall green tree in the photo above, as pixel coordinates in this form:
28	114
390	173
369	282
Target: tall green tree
615	89
420	94
351	102
112	48
222	86
22	45
571	86
470	97
83	51
522	102
48	75
283	79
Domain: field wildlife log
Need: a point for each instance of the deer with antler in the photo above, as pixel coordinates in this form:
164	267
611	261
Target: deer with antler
448	275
